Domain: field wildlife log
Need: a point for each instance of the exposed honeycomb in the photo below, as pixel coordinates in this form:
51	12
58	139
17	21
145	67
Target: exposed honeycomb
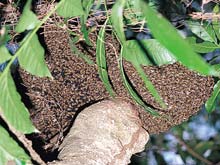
76	84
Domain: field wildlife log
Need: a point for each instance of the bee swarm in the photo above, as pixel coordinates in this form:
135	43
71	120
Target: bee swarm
76	85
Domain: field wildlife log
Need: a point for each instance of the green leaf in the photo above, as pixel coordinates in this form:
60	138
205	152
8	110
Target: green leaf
168	36
4	54
31	58
28	19
158	52
210	103
216	27
87	5
84	31
216	9
203	47
11	106
70	8
10	150
4	35
75	51
101	61
134	53
200	31
117	20
203	146
130	90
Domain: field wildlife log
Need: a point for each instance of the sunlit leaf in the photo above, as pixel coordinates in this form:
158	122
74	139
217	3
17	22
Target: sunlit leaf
9	149
11	106
168	36
70	8
203	47
158	52
210	103
4	54
101	61
117	20
31	58
200	31
134	53
87	5
28	19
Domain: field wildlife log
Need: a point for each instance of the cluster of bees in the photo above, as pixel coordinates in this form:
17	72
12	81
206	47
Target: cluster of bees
76	85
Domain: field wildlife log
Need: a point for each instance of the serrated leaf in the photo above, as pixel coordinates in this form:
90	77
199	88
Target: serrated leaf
210	103
168	36
203	47
200	31
117	20
70	8
101	61
4	54
158	52
28	19
31	58
11	106
134	53
9	149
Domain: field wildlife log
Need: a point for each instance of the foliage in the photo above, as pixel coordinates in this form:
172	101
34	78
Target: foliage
166	47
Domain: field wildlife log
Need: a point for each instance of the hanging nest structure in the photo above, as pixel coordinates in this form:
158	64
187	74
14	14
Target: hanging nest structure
53	103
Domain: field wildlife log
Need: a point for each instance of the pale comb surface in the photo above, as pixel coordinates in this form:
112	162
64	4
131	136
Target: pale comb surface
76	85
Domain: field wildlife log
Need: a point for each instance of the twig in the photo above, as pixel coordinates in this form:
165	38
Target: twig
27	143
192	152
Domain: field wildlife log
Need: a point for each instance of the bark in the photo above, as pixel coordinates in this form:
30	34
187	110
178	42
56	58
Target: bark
108	132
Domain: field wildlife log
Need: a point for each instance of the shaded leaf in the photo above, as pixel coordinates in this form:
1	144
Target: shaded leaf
133	52
4	54
210	103
28	19
203	47
75	51
216	27
158	52
9	149
200	31
101	61
70	8
11	106
117	20
168	36
31	58
203	146
4	36
130	90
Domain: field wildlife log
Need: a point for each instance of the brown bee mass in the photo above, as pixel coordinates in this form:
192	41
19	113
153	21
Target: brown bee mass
76	84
